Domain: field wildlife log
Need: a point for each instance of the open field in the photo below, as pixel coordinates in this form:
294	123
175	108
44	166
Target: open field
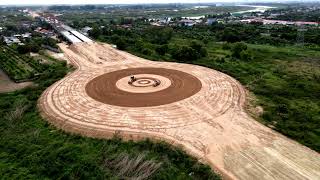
211	124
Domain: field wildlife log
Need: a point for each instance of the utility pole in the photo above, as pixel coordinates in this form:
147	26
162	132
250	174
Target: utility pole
300	35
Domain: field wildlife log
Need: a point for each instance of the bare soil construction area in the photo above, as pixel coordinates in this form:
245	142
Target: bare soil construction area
194	107
7	85
104	89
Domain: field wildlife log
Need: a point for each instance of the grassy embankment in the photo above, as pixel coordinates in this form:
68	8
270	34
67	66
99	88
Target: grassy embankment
31	149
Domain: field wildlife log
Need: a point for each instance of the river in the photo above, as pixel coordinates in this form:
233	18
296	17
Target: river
257	9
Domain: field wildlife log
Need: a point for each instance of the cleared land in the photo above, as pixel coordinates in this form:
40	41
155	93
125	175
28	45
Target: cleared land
7	85
211	125
104	89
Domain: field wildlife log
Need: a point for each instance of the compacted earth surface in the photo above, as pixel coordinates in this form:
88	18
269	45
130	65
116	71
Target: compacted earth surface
7	85
197	108
106	89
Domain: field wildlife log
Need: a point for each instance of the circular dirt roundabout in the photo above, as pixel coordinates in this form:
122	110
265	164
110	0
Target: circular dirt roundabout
114	88
201	111
143	83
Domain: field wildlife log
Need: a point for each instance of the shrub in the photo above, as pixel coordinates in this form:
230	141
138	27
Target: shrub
205	40
121	44
246	55
200	50
132	167
226	46
17	113
238	48
161	50
230	35
23	49
146	51
184	53
159	35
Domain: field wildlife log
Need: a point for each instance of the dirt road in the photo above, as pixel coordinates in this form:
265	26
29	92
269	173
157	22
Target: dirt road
210	124
7	85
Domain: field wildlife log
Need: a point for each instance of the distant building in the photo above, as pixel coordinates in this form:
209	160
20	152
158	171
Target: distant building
155	24
187	22
26	35
85	30
211	21
44	32
11	40
280	22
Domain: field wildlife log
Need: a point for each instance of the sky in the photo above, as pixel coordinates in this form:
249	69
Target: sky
23	2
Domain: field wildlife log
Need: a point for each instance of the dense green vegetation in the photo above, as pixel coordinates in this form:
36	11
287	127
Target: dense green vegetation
284	78
35	44
15	22
254	33
31	149
78	16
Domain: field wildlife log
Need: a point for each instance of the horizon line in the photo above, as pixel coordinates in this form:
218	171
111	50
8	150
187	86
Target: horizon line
144	3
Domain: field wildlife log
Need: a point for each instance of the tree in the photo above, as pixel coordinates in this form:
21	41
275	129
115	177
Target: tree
51	42
11	27
226	46
126	21
146	51
184	53
198	47
121	43
34	48
205	40
2	42
246	55
112	22
95	32
76	24
162	49
159	35
230	35
238	48
23	49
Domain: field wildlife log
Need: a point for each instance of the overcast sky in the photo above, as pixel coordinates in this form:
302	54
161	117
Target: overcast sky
19	2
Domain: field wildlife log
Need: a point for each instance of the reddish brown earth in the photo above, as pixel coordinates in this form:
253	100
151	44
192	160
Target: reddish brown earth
103	88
